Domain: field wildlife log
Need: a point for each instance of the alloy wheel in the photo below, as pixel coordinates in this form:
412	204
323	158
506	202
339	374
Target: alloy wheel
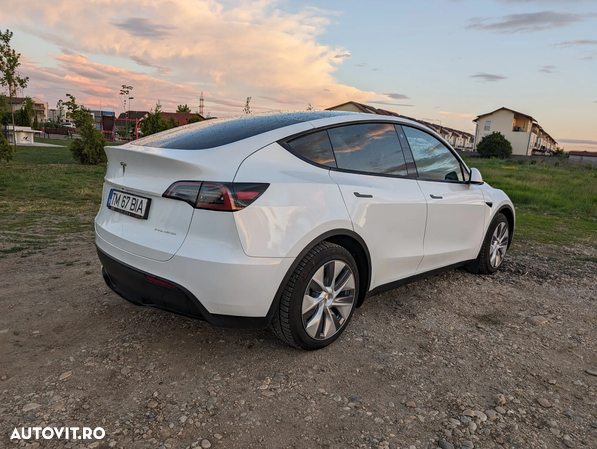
328	300
499	245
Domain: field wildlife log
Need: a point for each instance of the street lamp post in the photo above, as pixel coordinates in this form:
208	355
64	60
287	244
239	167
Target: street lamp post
124	97
129	116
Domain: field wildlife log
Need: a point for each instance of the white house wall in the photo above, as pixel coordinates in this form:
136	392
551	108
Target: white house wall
501	121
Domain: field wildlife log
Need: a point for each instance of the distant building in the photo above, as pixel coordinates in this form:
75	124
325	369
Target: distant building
521	130
131	115
458	139
583	157
40	108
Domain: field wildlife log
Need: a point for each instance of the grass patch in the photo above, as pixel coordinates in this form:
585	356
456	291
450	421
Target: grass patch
45	194
554	203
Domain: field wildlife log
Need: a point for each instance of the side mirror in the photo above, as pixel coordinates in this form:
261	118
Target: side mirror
475	177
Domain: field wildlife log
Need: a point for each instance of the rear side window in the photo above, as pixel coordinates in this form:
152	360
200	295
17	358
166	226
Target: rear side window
315	147
433	159
371	147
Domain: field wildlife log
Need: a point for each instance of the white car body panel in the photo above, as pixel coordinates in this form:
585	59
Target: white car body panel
244	286
455	223
301	204
392	222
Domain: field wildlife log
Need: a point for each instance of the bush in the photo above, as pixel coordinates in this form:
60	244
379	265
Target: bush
89	149
494	145
6	150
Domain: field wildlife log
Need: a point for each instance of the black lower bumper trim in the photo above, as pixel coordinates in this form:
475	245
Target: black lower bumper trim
133	285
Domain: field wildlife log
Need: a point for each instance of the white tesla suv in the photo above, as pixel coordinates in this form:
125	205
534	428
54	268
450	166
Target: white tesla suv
291	220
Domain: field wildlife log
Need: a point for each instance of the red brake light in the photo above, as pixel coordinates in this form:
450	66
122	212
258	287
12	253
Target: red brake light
160	282
222	196
243	196
215	196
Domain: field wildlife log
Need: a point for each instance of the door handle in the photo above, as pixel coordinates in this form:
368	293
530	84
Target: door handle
362	195
435	197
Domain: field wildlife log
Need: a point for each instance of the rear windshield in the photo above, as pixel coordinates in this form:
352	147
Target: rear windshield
215	133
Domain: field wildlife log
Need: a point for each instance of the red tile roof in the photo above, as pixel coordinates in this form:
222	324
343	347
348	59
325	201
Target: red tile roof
583	153
180	117
507	109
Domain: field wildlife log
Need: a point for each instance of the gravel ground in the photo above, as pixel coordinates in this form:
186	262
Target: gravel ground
455	361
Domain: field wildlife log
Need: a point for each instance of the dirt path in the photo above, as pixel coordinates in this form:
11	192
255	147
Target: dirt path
451	358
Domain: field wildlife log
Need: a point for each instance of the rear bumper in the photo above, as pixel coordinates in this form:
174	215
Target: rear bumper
132	284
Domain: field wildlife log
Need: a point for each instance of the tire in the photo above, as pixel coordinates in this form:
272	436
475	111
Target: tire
313	312
494	247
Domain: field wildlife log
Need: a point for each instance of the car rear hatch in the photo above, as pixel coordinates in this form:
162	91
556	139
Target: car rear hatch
134	216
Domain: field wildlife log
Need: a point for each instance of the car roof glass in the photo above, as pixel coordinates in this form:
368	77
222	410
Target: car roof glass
217	132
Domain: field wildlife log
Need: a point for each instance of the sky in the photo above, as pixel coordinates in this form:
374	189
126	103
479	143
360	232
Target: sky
445	61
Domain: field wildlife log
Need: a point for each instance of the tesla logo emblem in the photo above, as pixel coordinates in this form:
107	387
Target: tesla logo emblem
123	167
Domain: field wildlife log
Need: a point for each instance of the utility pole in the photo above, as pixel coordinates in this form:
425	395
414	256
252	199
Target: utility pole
201	105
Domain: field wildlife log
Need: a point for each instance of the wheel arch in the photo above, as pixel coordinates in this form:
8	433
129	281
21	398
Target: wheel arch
349	240
507	211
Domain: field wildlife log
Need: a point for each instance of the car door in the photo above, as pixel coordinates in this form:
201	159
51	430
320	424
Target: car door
386	206
455	208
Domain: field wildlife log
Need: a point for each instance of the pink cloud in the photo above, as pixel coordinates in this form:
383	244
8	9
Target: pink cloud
250	49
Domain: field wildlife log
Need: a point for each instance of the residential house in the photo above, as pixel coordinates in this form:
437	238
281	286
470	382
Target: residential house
521	130
53	115
583	157
40	107
458	139
129	118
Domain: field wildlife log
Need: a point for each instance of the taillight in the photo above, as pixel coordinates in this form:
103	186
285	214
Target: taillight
160	282
223	196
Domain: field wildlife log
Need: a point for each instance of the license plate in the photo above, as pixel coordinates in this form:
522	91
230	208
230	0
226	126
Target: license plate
131	205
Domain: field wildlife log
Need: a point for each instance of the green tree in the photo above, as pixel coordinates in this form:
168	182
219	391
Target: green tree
194	119
23	116
494	145
6	150
183	108
9	76
172	123
155	123
35	122
247	108
60	110
88	149
5	112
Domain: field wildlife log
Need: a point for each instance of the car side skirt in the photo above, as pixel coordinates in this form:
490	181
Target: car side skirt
395	284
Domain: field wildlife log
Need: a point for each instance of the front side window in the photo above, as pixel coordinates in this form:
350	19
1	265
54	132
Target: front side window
370	147
487	125
315	147
433	159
